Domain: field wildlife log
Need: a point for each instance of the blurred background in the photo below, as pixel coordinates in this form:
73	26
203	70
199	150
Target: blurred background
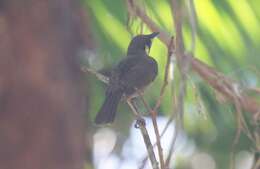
48	104
228	39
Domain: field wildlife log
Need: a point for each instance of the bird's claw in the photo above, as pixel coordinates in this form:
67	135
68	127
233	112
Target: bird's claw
139	122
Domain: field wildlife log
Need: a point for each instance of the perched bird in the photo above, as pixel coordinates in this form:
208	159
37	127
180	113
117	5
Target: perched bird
135	71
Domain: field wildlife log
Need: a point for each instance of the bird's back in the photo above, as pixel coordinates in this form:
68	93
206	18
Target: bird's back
136	71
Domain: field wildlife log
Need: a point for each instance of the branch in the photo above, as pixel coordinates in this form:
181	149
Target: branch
140	123
148	145
99	76
166	74
156	130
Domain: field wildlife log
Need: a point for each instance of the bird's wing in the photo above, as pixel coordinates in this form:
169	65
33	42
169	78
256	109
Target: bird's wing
127	64
140	74
120	71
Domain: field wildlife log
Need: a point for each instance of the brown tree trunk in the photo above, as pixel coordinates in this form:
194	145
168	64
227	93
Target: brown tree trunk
41	97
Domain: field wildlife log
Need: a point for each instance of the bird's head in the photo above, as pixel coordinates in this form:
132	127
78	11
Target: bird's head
141	42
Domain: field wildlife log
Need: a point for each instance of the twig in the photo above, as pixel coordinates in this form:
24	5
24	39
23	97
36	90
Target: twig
161	135
156	130
177	127
133	108
171	150
241	125
140	123
166	74
99	76
235	141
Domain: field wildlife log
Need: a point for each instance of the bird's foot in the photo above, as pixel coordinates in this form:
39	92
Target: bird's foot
139	122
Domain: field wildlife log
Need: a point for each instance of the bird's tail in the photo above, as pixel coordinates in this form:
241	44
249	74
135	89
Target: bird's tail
108	110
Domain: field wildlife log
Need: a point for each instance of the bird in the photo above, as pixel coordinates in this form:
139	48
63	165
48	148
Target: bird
136	71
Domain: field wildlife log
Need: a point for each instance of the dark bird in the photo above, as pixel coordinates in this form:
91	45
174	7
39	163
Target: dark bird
135	71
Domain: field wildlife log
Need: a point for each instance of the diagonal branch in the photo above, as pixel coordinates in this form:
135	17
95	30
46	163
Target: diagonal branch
156	130
140	123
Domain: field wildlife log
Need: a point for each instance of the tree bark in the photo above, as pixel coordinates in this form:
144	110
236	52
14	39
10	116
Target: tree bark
41	97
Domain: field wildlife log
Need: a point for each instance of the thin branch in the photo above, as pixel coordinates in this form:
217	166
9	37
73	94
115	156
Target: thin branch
235	141
241	125
99	76
161	135
166	74
222	84
156	130
140	123
171	150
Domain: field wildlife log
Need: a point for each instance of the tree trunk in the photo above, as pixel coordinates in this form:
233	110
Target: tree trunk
41	97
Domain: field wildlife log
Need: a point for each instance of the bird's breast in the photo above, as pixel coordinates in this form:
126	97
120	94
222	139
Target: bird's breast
141	75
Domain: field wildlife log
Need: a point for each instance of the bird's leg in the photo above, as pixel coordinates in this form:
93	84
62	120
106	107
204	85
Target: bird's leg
132	106
139	120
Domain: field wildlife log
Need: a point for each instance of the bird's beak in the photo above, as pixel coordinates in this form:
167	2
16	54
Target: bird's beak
150	37
153	35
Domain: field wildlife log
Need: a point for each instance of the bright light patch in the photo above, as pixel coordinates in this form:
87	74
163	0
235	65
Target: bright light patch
202	161
221	27
104	142
110	162
247	18
164	12
244	160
